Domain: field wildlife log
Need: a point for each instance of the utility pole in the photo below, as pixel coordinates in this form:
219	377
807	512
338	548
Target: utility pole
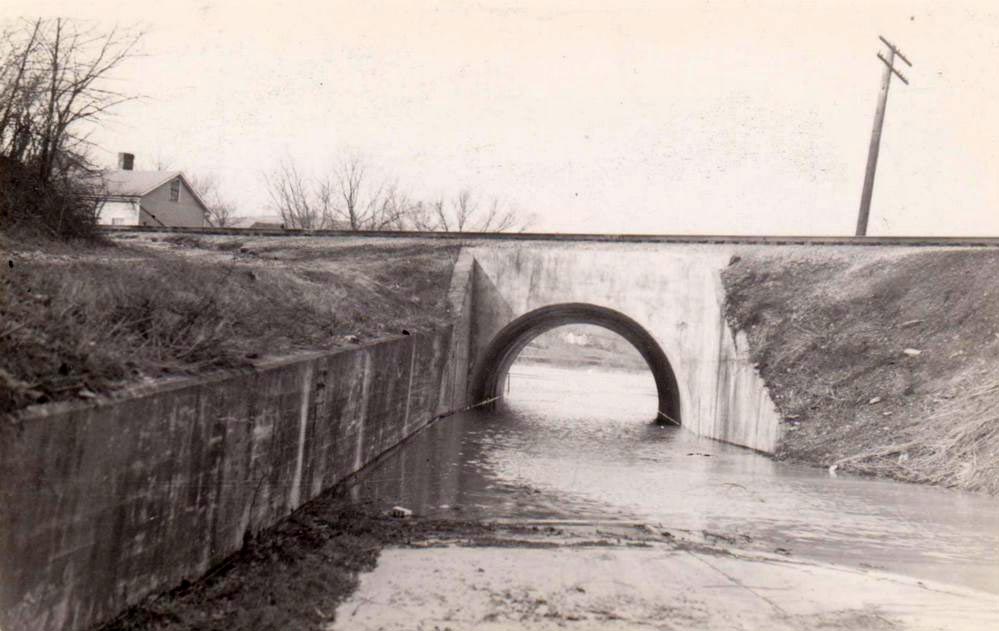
879	119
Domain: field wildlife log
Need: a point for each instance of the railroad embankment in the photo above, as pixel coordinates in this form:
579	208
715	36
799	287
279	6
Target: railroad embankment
86	319
884	364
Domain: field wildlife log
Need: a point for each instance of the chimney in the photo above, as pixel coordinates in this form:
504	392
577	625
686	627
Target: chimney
125	161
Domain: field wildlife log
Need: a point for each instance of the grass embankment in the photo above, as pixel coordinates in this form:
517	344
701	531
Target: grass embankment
881	364
81	320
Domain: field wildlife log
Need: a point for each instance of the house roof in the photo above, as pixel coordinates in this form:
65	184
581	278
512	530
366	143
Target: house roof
122	183
136	183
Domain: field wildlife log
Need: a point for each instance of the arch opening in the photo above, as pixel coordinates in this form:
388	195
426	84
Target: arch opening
492	367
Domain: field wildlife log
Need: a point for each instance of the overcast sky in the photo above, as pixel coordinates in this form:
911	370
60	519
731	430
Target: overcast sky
653	117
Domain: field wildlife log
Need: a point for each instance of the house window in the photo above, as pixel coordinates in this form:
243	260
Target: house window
175	190
117	221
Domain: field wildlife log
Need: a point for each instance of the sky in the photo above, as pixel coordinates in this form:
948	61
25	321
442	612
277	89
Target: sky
692	117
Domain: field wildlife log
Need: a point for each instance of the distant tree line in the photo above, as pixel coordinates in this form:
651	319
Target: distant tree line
348	197
55	89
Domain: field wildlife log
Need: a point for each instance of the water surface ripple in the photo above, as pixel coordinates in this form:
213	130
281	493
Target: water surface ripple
577	444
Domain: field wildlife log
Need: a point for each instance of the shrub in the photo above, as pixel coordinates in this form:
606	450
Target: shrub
64	208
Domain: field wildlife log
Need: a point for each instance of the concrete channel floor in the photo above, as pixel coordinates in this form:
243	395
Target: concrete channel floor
630	578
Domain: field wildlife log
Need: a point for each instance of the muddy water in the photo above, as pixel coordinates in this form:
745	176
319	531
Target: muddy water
578	445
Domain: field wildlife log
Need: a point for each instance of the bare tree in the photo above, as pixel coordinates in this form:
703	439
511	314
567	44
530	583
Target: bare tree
349	197
346	197
366	204
53	81
397	208
19	87
303	204
465	213
221	209
500	217
54	87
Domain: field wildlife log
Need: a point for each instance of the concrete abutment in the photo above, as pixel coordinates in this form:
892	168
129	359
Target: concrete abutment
667	301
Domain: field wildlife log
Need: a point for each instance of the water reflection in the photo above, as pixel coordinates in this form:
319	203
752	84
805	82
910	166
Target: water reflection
576	444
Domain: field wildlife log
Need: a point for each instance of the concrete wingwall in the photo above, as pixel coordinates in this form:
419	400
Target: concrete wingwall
674	291
104	503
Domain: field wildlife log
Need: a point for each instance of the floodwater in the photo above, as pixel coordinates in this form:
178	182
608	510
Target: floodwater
573	444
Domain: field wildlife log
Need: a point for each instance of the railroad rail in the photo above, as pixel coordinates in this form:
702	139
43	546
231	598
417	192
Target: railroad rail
910	241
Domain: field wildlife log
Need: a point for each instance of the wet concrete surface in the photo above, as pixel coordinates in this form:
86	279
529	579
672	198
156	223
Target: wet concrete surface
654	587
576	446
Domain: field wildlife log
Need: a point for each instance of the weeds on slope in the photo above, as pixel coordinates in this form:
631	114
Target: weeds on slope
72	328
880	363
956	446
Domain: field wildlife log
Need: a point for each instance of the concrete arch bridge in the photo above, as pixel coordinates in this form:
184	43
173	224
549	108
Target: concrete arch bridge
663	294
665	299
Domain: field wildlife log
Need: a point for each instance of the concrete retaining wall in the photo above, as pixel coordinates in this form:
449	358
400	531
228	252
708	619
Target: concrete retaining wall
104	503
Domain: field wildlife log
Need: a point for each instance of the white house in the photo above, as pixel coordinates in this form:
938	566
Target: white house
148	198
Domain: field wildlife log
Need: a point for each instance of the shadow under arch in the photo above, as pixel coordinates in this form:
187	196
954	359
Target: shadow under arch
507	344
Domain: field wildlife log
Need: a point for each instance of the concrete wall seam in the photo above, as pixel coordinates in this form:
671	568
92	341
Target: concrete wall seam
296	484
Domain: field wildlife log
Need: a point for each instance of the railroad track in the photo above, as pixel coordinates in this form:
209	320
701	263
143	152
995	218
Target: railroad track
912	241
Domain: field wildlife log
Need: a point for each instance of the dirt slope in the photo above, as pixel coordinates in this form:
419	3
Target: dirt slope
81	320
883	364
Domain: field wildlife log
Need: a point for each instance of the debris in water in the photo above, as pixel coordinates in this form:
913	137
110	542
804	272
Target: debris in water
909	323
655	531
718	536
874	400
912	352
832	470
